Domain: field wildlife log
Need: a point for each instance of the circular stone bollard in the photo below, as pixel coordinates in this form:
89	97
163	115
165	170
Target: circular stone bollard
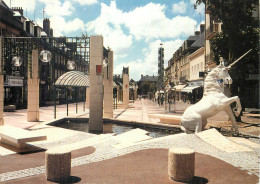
57	164
181	164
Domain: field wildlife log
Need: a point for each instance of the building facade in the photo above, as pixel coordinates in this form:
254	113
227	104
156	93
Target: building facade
19	36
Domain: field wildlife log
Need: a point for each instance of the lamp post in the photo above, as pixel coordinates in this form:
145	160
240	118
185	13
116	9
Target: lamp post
71	65
46	56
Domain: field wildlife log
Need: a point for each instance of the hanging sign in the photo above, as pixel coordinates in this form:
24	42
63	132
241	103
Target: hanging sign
99	69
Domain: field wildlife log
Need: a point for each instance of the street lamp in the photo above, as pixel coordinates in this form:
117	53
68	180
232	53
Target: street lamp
105	64
71	65
17	61
45	56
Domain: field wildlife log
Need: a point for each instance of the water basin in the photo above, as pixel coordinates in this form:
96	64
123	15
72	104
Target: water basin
112	127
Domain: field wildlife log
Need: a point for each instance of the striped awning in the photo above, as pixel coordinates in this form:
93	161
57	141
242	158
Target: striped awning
188	89
179	87
73	79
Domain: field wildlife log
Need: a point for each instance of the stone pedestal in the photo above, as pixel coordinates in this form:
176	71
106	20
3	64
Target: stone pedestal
57	165
96	84
181	164
33	113
125	90
108	87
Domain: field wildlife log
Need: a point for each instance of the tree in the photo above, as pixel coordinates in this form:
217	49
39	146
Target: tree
240	32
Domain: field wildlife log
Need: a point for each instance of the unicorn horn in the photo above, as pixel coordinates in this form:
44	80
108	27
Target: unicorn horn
228	67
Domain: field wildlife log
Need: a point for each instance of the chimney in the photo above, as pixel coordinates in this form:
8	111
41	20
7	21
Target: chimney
19	9
202	27
197	33
46	26
51	32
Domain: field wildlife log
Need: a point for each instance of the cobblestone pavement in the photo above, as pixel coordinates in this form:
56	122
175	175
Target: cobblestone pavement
105	150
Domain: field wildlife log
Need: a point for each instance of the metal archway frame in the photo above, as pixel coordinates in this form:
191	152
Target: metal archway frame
73	79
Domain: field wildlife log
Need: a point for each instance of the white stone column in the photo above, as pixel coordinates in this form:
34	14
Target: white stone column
108	87
126	89
96	84
1	86
87	97
33	113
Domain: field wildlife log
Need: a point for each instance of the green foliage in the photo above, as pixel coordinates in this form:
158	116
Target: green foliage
240	32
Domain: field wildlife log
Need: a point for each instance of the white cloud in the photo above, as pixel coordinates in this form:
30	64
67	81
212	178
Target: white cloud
57	8
145	22
108	25
62	27
86	2
179	7
149	66
200	8
148	22
27	5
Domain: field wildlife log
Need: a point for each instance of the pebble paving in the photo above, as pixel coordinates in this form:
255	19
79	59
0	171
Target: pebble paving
248	161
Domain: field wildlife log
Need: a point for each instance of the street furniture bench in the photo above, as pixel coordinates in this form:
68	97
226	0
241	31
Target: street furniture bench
181	164
18	137
57	164
167	118
9	108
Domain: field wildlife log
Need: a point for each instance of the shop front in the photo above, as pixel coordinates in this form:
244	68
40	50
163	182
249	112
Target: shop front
13	91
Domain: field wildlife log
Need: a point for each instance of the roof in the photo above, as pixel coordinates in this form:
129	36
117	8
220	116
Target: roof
148	78
200	42
73	79
193	37
2	3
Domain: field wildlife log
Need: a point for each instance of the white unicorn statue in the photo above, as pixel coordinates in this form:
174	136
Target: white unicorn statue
194	119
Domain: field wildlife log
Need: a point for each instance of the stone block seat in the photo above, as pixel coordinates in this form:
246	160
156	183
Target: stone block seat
181	164
18	137
167	118
57	164
9	108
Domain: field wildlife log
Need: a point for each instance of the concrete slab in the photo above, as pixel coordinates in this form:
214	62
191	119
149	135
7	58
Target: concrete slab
130	137
213	137
87	142
166	118
244	141
18	137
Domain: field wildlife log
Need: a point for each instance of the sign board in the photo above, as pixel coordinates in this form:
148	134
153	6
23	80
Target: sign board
15	82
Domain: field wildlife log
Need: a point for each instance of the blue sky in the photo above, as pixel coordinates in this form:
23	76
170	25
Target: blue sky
133	29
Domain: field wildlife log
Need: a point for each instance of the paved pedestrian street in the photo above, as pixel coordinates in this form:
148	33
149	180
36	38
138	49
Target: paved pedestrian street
231	155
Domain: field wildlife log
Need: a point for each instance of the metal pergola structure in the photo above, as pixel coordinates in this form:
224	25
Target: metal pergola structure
73	79
62	49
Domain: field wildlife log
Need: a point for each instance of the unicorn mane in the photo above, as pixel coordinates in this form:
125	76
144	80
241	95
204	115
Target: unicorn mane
211	84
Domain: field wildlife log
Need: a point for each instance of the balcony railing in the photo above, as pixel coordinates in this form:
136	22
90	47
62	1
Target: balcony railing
212	30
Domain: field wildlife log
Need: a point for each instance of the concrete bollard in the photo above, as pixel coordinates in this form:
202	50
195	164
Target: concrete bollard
181	164
58	164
